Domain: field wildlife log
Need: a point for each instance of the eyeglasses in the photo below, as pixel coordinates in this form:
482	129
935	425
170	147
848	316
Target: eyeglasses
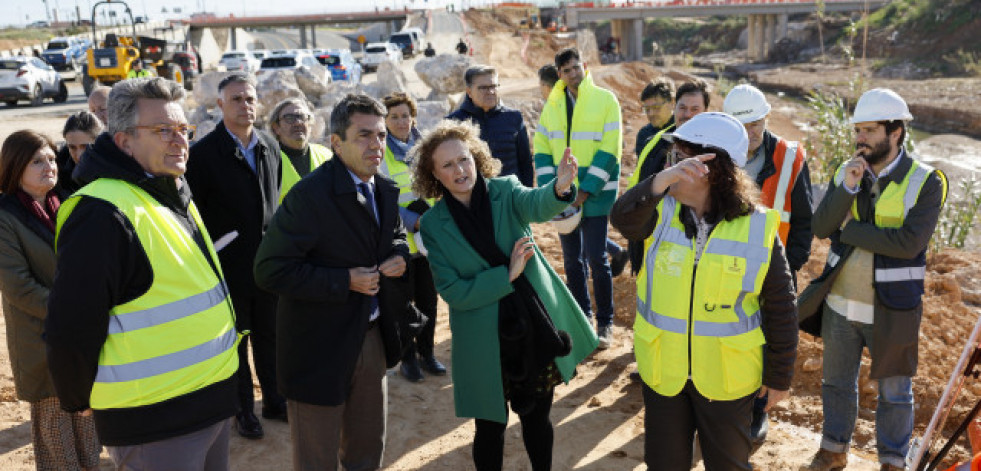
489	88
167	132
653	107
293	118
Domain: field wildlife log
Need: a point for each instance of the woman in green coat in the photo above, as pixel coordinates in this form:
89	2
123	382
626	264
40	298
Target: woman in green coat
517	331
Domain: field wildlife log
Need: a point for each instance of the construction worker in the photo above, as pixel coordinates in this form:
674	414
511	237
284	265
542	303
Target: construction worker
140	327
691	98
778	168
137	71
290	121
713	295
880	211
586	118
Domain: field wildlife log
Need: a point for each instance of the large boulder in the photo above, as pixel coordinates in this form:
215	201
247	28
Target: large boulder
312	80
277	86
336	91
204	120
431	113
206	88
390	79
443	73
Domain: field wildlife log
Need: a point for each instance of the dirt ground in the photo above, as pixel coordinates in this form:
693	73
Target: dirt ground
599	416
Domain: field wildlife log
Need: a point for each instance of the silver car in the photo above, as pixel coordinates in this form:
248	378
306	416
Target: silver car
31	79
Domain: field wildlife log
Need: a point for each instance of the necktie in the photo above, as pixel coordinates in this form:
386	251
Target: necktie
369	198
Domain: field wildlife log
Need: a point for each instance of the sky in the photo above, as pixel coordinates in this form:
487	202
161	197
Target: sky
19	13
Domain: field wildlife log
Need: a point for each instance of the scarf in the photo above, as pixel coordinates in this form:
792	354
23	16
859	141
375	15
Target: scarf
529	340
45	214
401	149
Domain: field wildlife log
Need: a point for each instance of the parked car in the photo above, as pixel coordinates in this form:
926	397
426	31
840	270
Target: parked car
39	24
290	61
239	60
341	65
30	78
65	53
376	53
407	42
259	54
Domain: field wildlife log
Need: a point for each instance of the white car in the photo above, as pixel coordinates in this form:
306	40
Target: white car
260	53
292	61
30	78
376	53
239	60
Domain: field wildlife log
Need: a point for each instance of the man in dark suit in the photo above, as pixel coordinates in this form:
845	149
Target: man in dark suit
234	175
335	254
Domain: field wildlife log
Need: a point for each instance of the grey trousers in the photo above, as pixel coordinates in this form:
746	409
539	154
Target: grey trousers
204	450
350	436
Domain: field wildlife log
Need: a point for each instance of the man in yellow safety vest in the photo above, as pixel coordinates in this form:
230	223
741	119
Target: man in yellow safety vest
290	121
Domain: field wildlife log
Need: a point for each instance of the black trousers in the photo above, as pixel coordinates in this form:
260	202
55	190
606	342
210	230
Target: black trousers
423	292
536	430
259	307
670	424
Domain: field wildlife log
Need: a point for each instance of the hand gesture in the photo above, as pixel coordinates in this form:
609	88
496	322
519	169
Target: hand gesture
394	267
690	170
854	169
524	248
566	173
364	280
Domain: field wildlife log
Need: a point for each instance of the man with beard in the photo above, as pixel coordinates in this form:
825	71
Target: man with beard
234	174
880	212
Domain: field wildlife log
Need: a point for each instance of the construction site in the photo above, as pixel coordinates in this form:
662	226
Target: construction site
599	416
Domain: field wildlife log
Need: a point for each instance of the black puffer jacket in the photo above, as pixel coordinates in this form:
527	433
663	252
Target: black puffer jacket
504	131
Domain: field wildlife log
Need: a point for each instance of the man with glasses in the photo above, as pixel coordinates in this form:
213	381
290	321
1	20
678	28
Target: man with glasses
290	122
586	118
501	127
234	173
143	339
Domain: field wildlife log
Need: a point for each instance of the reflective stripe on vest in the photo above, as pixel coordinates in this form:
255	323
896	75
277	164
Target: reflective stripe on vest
718	299
788	158
402	175
644	153
177	337
318	155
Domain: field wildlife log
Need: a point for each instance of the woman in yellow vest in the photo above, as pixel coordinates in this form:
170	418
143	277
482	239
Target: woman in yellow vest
402	135
716	322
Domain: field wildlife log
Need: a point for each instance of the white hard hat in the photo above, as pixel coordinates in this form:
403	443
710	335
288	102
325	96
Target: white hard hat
568	220
719	130
881	104
746	103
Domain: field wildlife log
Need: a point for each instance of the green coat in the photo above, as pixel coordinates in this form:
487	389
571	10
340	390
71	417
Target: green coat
472	289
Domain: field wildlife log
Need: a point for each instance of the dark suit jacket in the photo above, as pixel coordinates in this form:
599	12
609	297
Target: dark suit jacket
321	230
232	197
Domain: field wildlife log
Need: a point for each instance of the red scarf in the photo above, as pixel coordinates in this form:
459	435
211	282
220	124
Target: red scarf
45	214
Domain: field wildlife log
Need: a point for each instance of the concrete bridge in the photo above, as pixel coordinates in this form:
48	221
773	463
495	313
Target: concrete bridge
767	18
392	17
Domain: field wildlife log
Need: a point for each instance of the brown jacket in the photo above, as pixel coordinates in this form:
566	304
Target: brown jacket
635	214
27	266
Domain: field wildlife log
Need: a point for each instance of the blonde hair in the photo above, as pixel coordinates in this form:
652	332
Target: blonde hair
424	183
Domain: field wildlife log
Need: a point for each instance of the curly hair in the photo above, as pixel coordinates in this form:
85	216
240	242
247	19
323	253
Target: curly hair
400	98
731	192
424	183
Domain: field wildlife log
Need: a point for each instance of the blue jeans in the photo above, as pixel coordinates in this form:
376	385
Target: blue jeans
843	344
588	244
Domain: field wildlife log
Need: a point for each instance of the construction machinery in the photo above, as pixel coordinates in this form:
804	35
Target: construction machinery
111	59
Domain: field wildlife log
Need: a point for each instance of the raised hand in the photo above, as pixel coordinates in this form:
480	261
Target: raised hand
566	173
690	170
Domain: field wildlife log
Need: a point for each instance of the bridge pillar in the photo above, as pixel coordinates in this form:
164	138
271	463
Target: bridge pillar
782	26
313	36
751	37
769	33
635	48
303	37
232	33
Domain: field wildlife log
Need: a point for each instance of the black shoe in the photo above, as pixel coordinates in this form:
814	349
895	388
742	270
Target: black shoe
248	426
275	413
410	369
433	366
618	262
758	429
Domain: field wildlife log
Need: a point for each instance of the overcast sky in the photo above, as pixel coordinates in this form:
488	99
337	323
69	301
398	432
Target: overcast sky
20	13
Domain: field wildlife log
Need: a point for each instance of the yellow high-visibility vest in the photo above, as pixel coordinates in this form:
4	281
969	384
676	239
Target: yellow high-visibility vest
644	153
713	306
402	175
177	337
318	155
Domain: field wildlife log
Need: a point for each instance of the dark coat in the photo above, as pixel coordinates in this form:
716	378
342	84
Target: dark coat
799	237
504	131
27	268
635	215
895	333
102	264
65	168
233	197
321	231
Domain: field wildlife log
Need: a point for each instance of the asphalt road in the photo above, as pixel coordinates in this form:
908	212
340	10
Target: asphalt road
76	102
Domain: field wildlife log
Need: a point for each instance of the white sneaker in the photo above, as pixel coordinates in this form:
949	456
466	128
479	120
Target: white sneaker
605	334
